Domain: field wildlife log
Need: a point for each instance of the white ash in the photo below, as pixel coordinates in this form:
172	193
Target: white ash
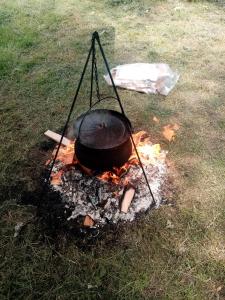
18	228
87	195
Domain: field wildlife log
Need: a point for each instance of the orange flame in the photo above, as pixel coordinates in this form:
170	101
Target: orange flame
169	131
66	154
148	153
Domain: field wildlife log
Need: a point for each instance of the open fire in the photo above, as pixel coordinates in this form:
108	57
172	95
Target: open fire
111	196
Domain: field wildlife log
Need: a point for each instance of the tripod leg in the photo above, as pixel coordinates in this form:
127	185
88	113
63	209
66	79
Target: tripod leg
122	110
70	112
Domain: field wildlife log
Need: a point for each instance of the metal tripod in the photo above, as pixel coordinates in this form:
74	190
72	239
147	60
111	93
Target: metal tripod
94	77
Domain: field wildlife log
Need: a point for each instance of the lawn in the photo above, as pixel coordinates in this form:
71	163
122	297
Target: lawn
174	252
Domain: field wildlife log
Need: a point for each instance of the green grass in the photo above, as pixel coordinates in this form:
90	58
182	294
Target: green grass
43	46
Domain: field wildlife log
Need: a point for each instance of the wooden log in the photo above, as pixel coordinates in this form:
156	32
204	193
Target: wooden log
127	198
88	221
56	137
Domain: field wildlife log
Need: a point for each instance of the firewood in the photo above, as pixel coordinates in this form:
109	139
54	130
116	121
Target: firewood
56	137
127	198
88	221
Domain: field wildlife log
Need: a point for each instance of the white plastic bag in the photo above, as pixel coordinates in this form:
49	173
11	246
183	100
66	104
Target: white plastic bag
146	78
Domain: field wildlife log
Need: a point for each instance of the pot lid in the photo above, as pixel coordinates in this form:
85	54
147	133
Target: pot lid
102	129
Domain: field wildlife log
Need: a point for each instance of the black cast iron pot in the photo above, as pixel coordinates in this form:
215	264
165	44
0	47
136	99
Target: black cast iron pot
102	139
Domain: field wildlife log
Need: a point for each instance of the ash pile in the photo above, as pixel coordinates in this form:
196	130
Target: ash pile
109	197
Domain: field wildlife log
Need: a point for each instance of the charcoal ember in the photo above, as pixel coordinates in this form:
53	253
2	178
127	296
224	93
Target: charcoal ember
76	176
99	194
93	200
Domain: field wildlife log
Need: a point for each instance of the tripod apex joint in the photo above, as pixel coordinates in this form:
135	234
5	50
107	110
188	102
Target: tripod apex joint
95	35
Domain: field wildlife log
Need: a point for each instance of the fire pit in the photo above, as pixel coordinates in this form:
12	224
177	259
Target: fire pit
110	196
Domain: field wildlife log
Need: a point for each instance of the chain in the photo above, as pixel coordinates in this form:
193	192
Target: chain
96	74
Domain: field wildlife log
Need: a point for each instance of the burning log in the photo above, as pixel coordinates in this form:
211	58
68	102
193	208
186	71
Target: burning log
127	198
56	137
